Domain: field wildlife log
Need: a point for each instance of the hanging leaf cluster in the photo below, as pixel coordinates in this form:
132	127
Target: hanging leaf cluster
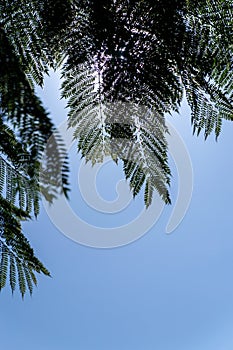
146	54
25	128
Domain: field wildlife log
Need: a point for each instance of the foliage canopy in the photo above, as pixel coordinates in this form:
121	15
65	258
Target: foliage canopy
124	64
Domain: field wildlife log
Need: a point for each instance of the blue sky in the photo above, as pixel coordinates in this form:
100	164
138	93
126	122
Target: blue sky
166	292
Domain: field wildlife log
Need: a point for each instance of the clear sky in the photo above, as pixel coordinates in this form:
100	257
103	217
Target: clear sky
165	292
